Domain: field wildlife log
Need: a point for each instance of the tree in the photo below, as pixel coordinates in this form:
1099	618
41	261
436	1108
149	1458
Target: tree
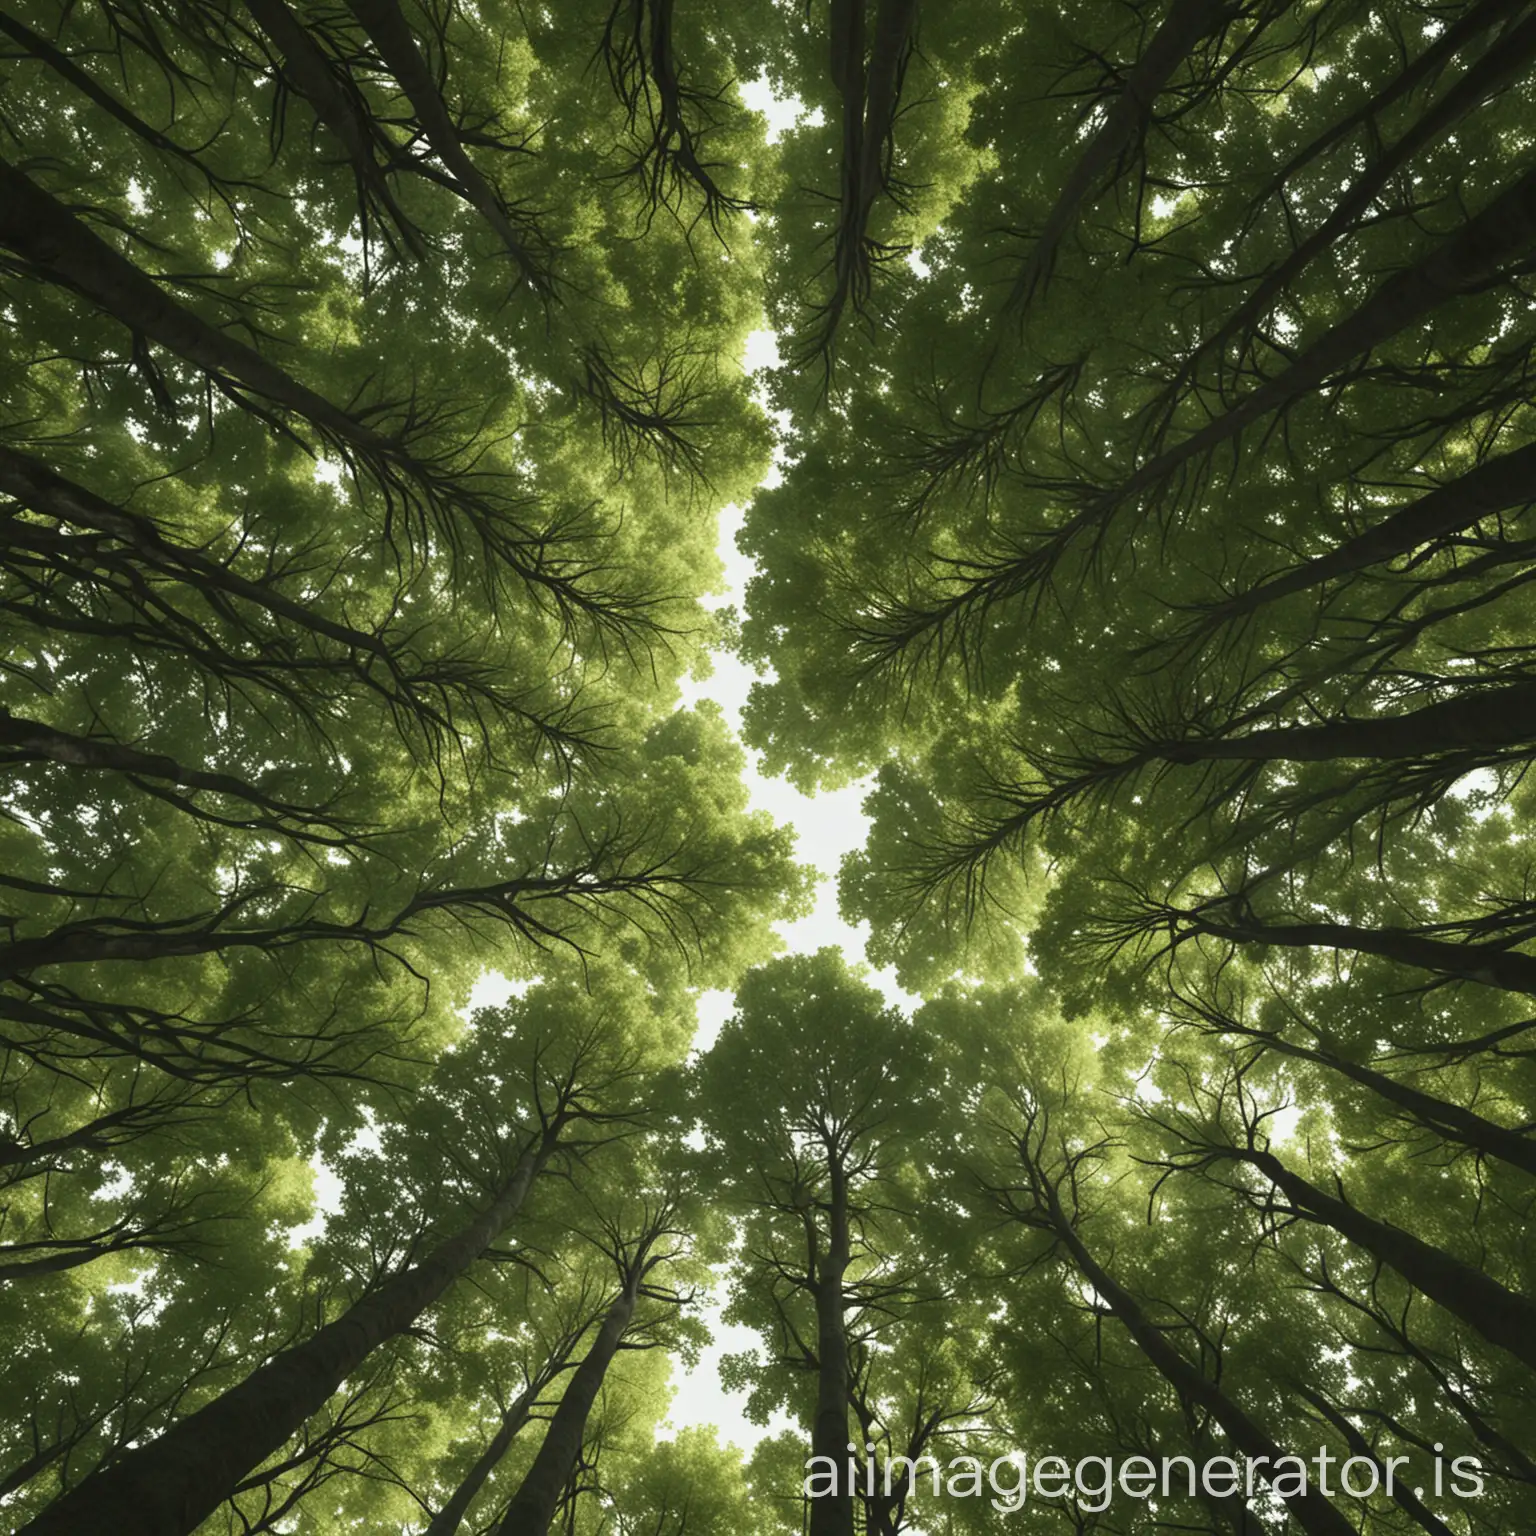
812	1102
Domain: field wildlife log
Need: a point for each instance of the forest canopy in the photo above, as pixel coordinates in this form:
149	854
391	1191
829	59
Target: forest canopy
1136	512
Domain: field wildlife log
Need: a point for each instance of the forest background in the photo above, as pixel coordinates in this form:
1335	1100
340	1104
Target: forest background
1122	417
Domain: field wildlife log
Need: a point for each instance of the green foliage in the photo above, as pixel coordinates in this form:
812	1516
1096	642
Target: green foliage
1141	509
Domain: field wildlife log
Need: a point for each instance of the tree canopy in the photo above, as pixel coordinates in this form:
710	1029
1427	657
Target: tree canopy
1136	509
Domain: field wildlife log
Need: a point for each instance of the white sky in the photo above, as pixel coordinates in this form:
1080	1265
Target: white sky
827	827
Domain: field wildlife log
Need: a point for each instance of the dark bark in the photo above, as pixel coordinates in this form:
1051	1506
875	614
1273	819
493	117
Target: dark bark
869	93
23	741
1449	1121
310	74
61	248
832	1514
1485	250
1485	719
1471	258
1491	1310
72	1254
518	1412
391	34
103	1133
448	1519
513	903
1124	129
1485	963
1312	1513
888	49
66	68
168	1486
1506	62
1495	485
678	142
1439	743
537	1499
642	64
1404	1496
1516	1463
1480	19
421	690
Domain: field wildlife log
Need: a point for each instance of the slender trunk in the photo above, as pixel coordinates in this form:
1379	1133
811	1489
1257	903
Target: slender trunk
170	1485
1485	963
1488	1308
23	740
1311	1511
391	34
1493	486
1481	18
1445	1119
1480	721
846	65
53	241
1125	126
309	73
1507	61
1472	258
99	1135
894	20
447	1521
47	235
1484	719
832	1514
869	95
66	68
368	656
107	938
674	129
1404	1496
1463	262
1519	1464
537	1499
23	1473
57	1263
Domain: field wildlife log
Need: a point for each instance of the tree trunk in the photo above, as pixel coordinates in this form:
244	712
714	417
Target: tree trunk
1497	1314
170	1485
447	1521
66	68
391	35
1508	60
309	73
1484	719
23	740
1471	258
1124	128
536	1501
1311	1511
1493	486
1447	1120
1493	967
1483	17
47	235
1403	1495
832	1514
894	20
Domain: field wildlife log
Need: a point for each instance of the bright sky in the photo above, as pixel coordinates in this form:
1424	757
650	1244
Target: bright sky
827	827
